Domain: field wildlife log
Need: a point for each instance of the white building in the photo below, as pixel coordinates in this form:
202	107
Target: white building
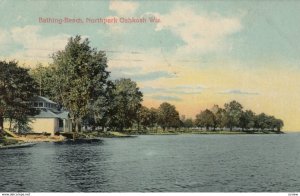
49	120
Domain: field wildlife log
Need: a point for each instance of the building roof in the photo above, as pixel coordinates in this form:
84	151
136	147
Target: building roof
40	98
49	112
45	113
63	115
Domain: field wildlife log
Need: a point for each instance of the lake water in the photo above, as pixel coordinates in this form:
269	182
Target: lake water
170	163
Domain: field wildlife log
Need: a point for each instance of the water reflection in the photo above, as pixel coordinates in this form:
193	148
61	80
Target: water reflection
19	162
79	166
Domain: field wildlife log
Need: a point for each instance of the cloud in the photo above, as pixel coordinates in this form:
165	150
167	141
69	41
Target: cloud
166	98
123	8
201	33
180	90
27	43
34	45
150	76
144	65
5	40
3	36
238	92
190	89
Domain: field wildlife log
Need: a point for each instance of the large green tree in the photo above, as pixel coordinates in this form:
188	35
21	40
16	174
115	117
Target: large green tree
265	122
153	117
168	116
261	121
206	119
78	80
221	118
17	88
278	123
126	104
46	80
247	120
144	118
101	108
233	114
188	123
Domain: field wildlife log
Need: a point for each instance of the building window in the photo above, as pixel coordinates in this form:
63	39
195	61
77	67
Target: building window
60	123
35	104
41	104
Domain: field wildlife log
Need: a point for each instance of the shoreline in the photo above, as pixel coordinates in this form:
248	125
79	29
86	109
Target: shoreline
224	132
10	142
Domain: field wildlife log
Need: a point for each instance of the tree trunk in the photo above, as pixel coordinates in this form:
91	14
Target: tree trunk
139	127
1	123
10	120
73	124
77	125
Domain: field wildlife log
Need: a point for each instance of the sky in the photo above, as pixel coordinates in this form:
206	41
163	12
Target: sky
196	54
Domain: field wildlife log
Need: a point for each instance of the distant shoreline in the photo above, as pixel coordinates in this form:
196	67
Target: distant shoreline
206	133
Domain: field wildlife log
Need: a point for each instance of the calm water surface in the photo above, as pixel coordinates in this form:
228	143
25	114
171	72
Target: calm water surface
173	163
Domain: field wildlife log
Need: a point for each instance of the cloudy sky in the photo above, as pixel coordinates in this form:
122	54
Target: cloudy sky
200	53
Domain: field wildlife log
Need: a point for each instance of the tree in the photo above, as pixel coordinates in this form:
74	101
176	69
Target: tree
101	107
168	116
126	103
247	120
221	118
45	79
153	118
144	117
261	121
188	123
78	80
265	122
206	119
17	88
215	109
270	122
278	124
233	113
